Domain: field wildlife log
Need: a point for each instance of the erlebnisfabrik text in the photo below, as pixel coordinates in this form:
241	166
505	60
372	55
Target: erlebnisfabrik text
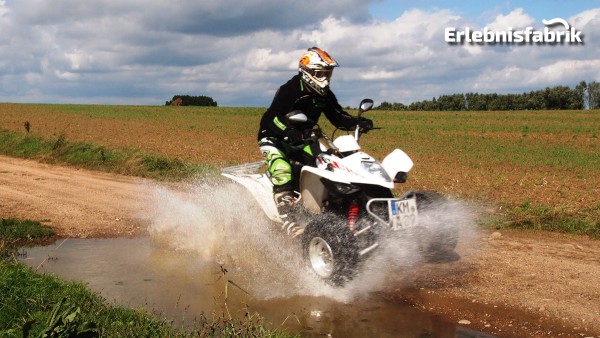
529	35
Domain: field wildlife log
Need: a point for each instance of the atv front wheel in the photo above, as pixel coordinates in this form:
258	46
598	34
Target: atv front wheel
330	250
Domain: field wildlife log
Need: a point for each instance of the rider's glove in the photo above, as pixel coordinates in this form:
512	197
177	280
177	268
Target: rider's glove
293	136
365	124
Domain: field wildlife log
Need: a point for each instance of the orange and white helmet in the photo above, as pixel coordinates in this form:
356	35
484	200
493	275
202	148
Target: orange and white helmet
316	67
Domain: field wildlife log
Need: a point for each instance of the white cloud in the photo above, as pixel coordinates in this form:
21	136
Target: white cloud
143	52
566	70
586	18
515	19
3	10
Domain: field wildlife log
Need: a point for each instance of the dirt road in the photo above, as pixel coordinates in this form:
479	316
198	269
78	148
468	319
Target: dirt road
518	284
76	203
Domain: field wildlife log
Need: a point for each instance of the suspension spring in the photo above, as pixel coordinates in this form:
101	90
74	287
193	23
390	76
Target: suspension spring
352	216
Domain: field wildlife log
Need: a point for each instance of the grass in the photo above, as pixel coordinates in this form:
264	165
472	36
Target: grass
15	232
557	139
41	305
543	217
14	229
33	304
86	155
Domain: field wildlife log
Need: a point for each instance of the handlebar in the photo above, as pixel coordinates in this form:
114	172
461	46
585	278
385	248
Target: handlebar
315	134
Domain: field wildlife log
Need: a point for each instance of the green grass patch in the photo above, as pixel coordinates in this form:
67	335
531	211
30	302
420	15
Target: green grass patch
16	232
556	139
16	229
543	217
41	305
85	155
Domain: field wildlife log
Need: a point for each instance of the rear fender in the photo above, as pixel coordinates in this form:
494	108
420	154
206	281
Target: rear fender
261	189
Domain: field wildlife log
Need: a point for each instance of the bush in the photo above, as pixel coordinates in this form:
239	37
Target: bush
187	100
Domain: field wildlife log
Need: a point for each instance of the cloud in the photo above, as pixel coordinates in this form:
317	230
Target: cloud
586	18
431	68
515	19
218	18
239	53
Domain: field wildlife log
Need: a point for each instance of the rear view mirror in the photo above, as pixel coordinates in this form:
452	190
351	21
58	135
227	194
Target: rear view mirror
364	106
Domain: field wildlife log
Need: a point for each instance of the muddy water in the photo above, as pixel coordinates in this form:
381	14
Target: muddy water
141	272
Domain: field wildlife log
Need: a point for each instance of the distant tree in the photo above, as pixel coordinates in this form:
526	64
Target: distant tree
385	106
559	97
562	97
451	102
476	101
187	100
533	101
581	90
392	106
593	95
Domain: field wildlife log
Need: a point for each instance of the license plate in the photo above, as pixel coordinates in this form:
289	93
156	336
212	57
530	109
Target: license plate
404	213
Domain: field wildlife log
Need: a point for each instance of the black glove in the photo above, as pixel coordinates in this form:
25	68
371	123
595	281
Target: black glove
365	124
293	136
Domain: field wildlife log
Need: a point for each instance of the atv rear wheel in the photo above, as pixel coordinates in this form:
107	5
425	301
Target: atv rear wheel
330	250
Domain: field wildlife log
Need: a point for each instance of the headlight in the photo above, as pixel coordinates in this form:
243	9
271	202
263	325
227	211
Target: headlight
374	168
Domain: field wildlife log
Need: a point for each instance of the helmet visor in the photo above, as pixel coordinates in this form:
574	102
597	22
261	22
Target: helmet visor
322	74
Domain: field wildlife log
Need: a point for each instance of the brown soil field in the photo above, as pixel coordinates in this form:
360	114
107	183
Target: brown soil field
443	159
508	283
190	138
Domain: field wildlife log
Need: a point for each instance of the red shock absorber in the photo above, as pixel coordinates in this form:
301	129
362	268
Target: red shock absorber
352	216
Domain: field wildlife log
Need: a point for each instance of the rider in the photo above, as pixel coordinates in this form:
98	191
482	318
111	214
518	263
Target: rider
308	92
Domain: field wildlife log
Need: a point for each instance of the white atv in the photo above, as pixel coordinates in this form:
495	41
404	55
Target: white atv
347	203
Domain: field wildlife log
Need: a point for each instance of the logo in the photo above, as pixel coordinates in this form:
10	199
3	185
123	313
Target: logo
510	36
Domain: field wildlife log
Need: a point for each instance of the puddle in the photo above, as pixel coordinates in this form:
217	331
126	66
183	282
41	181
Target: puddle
181	285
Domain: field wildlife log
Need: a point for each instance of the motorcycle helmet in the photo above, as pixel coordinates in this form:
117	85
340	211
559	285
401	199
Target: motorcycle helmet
316	68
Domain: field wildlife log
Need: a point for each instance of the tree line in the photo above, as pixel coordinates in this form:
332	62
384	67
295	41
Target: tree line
187	100
584	95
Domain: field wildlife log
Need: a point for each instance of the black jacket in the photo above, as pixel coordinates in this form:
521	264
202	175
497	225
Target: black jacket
295	95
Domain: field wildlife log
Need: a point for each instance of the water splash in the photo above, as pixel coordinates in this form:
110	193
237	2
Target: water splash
203	218
220	222
449	240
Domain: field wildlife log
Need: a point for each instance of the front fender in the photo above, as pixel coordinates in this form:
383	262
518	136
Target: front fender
312	190
397	161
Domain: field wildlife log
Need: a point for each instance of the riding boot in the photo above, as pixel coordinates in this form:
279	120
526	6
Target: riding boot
288	209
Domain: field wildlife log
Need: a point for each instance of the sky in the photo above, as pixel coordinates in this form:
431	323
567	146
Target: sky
136	52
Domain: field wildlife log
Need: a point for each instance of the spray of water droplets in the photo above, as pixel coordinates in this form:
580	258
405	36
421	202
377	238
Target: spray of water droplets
220	222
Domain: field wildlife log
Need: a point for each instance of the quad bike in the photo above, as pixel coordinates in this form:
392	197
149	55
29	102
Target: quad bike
347	204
